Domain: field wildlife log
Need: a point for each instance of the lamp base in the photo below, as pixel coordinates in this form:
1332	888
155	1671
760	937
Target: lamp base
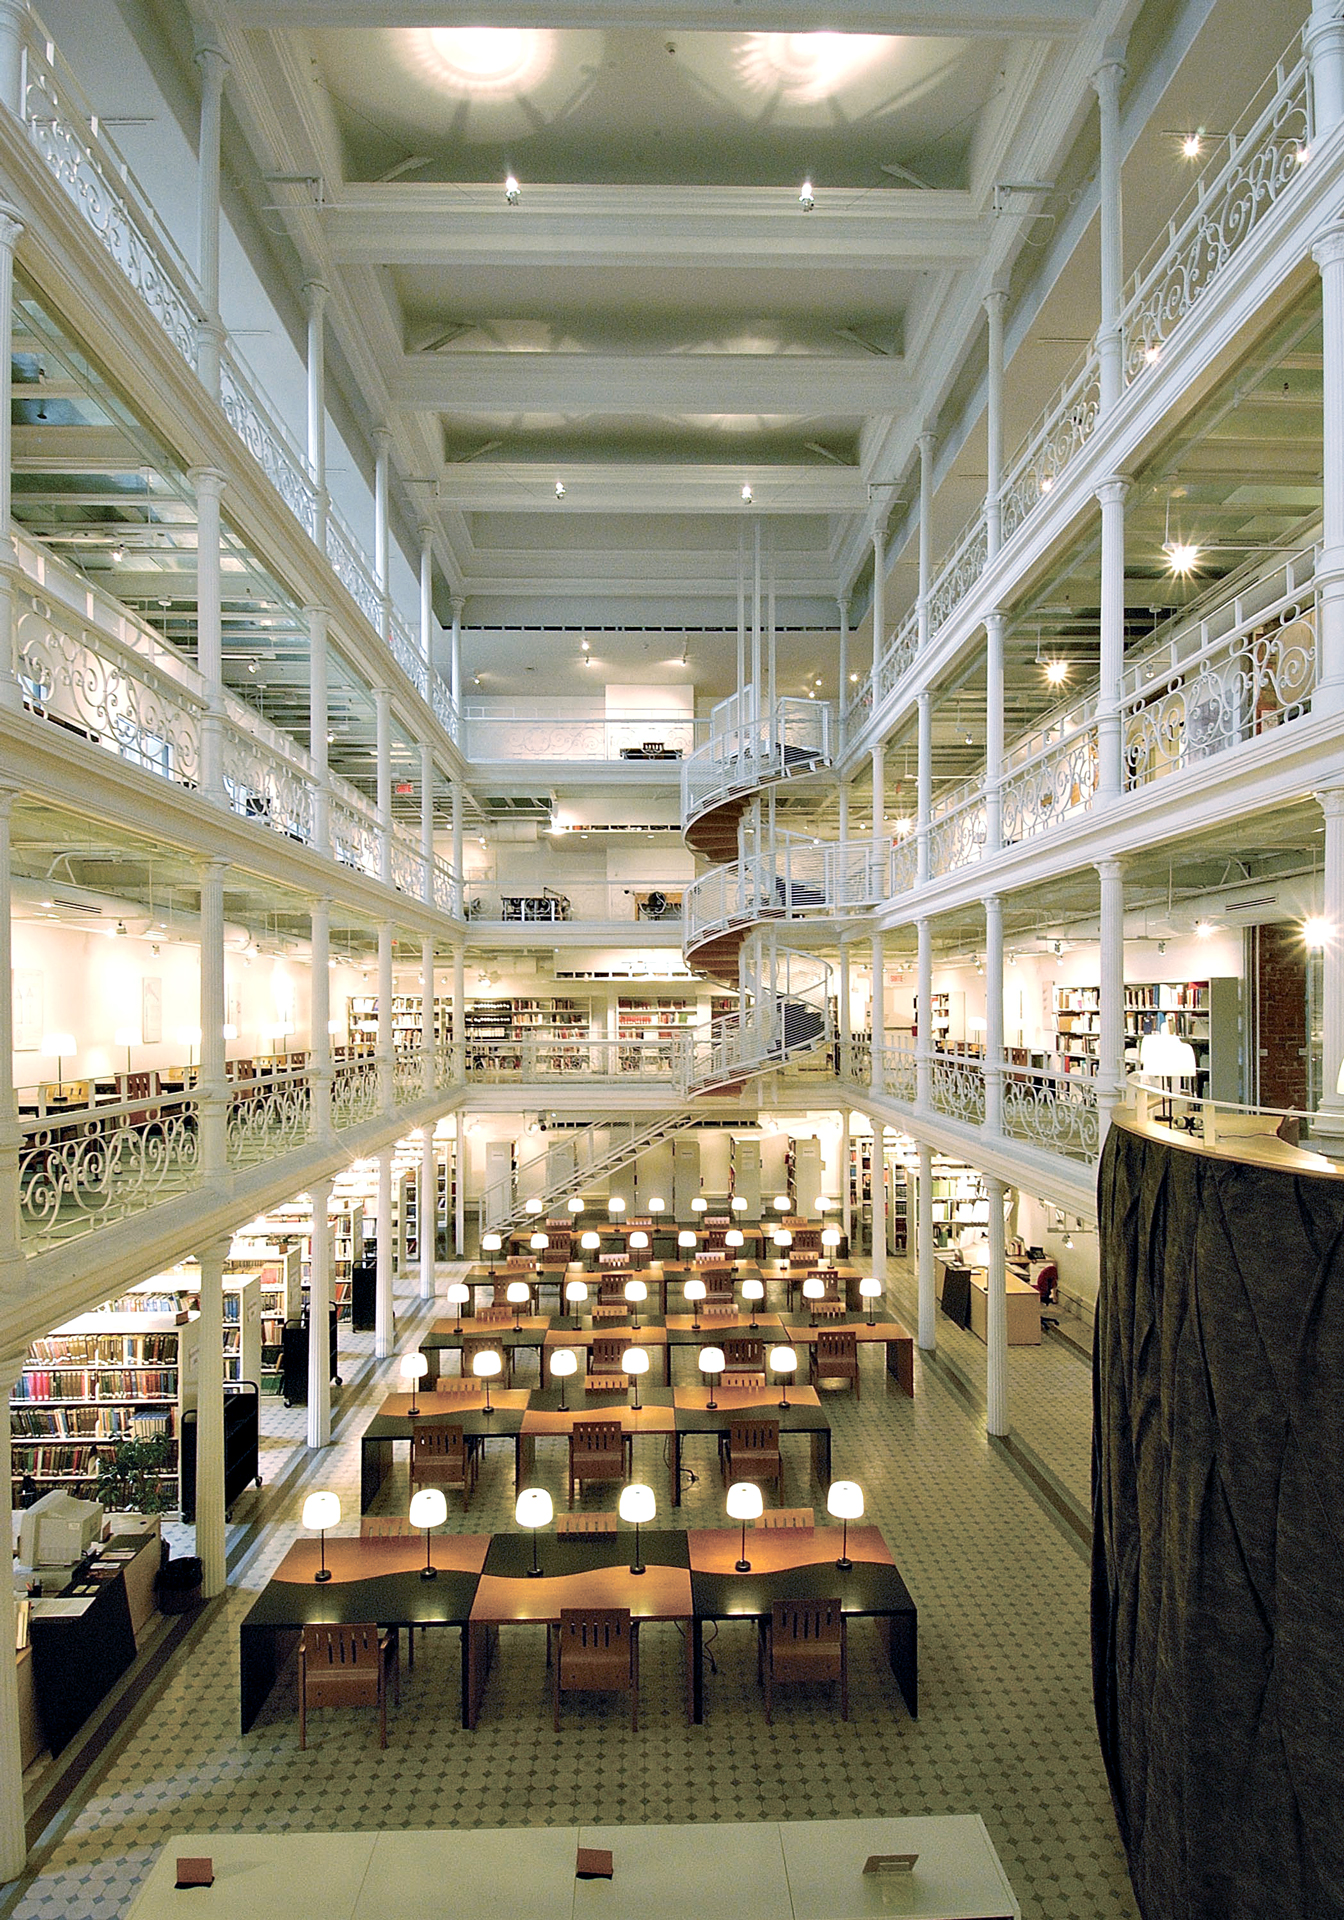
535	1573
413	1413
784	1403
845	1565
641	1568
711	1406
743	1566
323	1573
429	1573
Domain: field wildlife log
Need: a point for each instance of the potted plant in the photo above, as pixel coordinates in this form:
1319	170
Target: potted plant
137	1477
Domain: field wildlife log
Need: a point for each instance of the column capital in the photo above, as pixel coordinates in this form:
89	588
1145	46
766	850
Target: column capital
425	535
1112	492
207	481
312	613
11	224
993	302
1330	800
457	603
212	59
1110	71
316	292
212	1250
1111	869
1327	249
880	538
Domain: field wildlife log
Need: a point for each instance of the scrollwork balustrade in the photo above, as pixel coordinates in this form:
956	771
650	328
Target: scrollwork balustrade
267	442
1063	431
958	573
1057	1111
268	1115
957	1088
264	787
91	1166
957	837
1058	781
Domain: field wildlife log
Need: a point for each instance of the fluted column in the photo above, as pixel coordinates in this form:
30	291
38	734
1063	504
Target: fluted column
878	1022
879	598
842	702
996	1329
993	732
1111	1017
212	1091
315	295
924	1014
319	725
928	1302
210	1543
1110	775
384	1322
11	692
457	603
382	458
214	65
382	702
1110	344
209	487
1328	696
13	1837
427	596
995	303
13	26
319	1039
924	788
11	1137
319	1316
928	444
993	1014
1324	42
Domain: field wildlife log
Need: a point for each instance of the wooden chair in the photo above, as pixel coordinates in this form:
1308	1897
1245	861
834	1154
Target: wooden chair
385	1526
598	1450
597	1652
835	1356
584	1523
787	1519
751	1450
611	1290
605	1352
805	1640
744	1355
441	1457
497	1314
347	1667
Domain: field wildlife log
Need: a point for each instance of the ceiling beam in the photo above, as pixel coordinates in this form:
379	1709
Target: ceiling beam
784	385
960	17
523	486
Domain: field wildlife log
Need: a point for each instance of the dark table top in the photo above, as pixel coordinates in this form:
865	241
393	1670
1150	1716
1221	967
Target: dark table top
508	1405
375	1580
793	1564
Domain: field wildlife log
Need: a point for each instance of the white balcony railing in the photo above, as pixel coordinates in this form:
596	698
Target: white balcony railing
900	1068
958	572
957	1087
266	439
653	903
801	878
1064	428
1057	1111
742	753
619	1062
957	830
1049	775
493	733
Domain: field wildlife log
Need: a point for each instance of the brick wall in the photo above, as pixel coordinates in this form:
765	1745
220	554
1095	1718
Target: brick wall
1281	1010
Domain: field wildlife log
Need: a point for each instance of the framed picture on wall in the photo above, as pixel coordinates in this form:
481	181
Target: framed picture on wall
27	993
151	1010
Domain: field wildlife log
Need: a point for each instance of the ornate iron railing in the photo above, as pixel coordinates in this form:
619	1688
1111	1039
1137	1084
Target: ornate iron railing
266	439
958	572
1063	430
355	1093
267	1115
263	786
957	1087
1057	1111
1042	787
85	1167
898	657
352	570
493	1061
493	733
406	652
900	1070
957	831
904	865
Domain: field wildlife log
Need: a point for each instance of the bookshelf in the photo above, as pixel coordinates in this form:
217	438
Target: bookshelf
1207	1013
960	1200
177	1291
861	1196
646	1020
99	1380
407	1009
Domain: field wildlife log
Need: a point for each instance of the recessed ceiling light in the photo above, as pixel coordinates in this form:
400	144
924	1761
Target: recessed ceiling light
806	198
513	193
1192	145
1056	672
1182	556
746	495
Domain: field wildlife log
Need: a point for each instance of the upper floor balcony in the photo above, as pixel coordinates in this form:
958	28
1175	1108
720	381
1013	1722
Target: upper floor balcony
747	750
651	743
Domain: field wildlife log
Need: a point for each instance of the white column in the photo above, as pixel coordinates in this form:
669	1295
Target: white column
427	594
212	1092
11	1137
427	819
386	1038
995	303
996	1329
928	443
756	664
1327	1127
210	1421
209	486
1328	696
993	1014
842	702
879	598
319	1317
845	1010
879	763
384	1323
319	1039
928	1305
315	293
846	1210
741	613
878	1076
13	25
879	1199
1110	345
428	1062
457	603
460	1185
1324	42
1111	967
13	1839
459	878
382	444
1111	497
427	1212
213	64
993	732
319	725
459	1022
924	1013
924	788
11	694
382	703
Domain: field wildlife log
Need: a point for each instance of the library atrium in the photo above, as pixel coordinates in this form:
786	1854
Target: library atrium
813	830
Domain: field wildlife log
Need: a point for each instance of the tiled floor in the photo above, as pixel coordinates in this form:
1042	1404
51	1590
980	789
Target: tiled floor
1005	1726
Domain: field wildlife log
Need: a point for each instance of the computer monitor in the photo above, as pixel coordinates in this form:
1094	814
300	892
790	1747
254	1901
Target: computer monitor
58	1530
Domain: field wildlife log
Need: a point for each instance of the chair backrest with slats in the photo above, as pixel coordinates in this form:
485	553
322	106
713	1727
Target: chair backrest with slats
584	1523
385	1526
598	1438
753	1435
744	1354
470	1348
807	1623
788	1519
836	1345
437	1443
595	1630
494	1316
341	1649
605	1353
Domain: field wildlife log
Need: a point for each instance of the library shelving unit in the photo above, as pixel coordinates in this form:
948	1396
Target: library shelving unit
362	1022
861	1195
177	1291
648	1019
99	1380
960	1200
1207	1013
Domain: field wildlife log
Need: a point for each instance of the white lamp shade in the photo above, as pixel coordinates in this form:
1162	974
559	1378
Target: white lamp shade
823	1204
615	1204
699	1204
1183	1058
1157	1054
783	1359
457	1293
637	1504
516	1292
845	1500
539	1242
744	1501
738	1203
870	1289
711	1360
126	1037
575	1204
535	1508
491	1242
564	1361
590	1242
59	1043
189	1036
635	1360
428	1508
639	1241
694	1290
831	1237
686	1239
782	1237
486	1365
576	1291
733	1238
414	1366
814	1290
321	1510
532	1206
753	1289
657	1204
781	1203
635	1290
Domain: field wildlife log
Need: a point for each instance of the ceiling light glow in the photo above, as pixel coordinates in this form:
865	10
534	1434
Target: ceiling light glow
806	67
1056	672
1193	144
488	60
1316	930
1182	556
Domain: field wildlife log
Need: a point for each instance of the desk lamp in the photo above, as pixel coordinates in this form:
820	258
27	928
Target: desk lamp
824	1204
686	1243
485	1366
491	1244
781	1203
830	1240
744	1503
414	1367
58	1045
564	1362
590	1242
738	1203
516	1293
574	1203
711	1362
639	1246
870	1290
635	1291
637	1505
458	1294
845	1501
320	1511
428	1509
695	1291
616	1207
657	1204
783	1240
733	1239
813	1290
634	1361
783	1360
534	1509
753	1290
576	1292
699	1204
539	1243
532	1206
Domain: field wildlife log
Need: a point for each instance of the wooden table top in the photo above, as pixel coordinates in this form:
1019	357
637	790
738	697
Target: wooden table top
781	1549
583	1336
585	1570
356	1559
437	1407
766	1324
798	1330
742	1399
650	1416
